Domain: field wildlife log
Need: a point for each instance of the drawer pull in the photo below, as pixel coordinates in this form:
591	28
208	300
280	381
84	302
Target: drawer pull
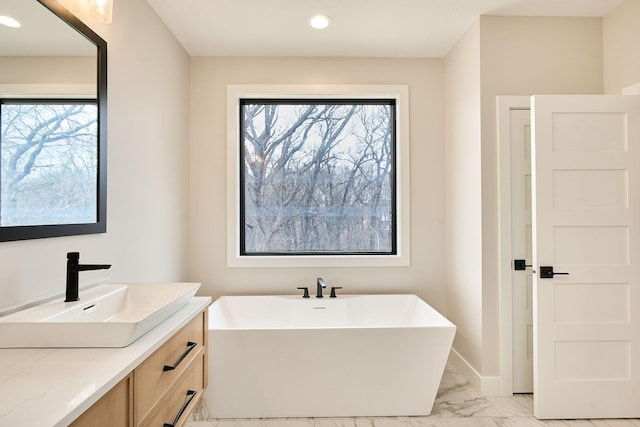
190	395
190	346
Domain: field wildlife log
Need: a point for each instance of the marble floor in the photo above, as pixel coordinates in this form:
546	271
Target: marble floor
457	405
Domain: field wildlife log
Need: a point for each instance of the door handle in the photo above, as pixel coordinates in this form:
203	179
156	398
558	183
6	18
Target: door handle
520	264
547	272
190	395
190	346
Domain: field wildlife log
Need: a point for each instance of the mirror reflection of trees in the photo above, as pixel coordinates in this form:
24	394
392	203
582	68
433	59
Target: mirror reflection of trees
318	177
49	163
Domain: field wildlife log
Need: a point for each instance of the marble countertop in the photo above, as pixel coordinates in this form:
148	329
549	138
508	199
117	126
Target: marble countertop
53	386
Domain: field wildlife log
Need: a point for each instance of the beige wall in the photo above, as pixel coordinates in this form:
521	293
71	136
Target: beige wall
147	171
463	195
498	56
59	70
621	41
208	221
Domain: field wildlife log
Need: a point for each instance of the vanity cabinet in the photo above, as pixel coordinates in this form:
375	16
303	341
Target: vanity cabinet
163	389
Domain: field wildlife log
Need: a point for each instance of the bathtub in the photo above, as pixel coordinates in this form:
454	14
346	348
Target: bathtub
355	355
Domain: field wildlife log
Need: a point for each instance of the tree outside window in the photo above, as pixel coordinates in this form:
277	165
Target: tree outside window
48	163
317	177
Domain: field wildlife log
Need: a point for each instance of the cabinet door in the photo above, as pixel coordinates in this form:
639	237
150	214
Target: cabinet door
114	409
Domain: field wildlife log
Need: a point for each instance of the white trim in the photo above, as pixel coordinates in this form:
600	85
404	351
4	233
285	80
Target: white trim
504	106
485	386
398	92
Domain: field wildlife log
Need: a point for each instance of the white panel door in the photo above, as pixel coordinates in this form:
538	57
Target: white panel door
521	280
586	222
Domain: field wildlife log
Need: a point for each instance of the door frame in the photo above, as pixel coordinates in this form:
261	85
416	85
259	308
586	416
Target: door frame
505	104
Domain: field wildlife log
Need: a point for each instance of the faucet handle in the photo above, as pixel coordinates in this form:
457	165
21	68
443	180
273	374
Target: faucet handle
306	292
333	291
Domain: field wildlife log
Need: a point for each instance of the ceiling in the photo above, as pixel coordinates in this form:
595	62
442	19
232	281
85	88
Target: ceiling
360	28
42	33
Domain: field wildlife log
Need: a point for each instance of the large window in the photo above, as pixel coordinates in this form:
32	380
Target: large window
317	176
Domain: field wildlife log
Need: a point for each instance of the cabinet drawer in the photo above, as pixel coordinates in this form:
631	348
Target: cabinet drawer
166	365
174	408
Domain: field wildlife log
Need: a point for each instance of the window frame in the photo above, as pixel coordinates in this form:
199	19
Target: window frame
45	230
398	94
316	101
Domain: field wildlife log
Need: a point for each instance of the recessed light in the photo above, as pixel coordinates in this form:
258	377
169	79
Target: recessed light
8	21
320	22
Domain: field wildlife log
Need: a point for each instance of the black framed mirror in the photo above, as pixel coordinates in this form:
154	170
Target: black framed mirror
53	126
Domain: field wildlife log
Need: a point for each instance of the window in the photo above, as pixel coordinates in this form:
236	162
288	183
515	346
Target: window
317	176
48	163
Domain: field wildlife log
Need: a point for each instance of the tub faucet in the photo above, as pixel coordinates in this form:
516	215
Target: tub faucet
321	284
73	267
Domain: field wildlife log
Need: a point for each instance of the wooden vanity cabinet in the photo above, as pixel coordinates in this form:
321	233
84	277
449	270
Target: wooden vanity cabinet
114	408
162	390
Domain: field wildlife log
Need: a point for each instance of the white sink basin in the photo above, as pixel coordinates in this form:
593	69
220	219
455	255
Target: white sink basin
110	315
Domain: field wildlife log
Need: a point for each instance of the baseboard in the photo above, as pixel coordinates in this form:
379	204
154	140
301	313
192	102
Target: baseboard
485	386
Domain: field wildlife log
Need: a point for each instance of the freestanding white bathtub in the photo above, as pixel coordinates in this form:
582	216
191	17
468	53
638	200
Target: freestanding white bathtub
355	355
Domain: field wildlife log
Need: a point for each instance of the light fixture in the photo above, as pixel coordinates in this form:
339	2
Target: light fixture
320	22
101	11
90	10
10	22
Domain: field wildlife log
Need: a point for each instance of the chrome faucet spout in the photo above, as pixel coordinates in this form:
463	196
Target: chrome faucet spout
321	284
73	267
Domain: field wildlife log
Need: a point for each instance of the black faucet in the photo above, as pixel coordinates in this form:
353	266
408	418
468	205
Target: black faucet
73	267
321	284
